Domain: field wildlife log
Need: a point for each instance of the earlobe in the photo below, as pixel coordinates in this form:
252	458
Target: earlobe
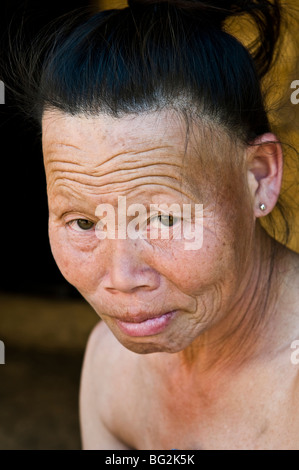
265	165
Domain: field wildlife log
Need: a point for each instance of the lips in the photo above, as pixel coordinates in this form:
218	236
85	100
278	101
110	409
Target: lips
145	325
139	317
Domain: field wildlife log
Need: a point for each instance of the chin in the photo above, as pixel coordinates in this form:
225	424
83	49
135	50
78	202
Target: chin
149	346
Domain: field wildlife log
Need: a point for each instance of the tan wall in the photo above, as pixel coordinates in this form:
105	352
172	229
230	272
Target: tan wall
45	324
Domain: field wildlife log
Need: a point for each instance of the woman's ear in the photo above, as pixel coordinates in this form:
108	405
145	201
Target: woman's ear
264	172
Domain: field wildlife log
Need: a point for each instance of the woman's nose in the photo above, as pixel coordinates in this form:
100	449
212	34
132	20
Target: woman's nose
128	271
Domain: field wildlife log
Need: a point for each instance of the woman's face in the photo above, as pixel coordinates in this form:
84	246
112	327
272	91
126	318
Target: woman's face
155	294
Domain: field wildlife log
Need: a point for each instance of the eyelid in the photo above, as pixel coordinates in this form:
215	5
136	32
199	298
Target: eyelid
175	215
160	210
164	226
73	221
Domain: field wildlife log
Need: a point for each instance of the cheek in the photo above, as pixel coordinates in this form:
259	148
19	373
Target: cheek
77	264
193	272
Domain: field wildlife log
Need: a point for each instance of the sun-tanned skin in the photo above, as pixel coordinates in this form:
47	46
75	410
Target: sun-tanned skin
219	375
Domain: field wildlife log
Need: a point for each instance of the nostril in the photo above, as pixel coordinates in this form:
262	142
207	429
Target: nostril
128	271
131	290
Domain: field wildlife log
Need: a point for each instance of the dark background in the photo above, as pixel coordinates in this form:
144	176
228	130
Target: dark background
27	264
44	322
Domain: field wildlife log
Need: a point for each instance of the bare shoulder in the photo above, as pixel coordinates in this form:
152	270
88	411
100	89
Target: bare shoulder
105	379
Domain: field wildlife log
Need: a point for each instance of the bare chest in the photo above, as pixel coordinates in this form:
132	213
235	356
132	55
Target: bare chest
226	428
251	414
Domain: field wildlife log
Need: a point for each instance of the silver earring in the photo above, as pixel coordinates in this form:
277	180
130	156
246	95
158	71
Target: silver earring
262	206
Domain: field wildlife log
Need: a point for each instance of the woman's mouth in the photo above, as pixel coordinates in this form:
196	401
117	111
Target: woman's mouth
151	326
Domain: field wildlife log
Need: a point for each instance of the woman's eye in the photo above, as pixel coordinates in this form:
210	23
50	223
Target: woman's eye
167	220
164	219
81	224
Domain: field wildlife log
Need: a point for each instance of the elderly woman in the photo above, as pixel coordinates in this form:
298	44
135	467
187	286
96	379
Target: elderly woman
148	111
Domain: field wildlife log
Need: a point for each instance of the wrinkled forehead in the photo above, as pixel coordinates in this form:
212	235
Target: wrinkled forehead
101	137
160	143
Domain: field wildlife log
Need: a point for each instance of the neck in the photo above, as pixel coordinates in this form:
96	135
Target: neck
251	328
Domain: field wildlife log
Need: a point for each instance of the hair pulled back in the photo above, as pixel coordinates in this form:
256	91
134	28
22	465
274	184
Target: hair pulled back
155	54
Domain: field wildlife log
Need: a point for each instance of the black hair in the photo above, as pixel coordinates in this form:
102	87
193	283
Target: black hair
153	53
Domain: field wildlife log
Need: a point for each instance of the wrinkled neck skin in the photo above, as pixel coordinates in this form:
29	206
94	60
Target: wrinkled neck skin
260	321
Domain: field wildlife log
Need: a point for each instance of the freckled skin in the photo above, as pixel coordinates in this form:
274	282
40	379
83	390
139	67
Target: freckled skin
90	161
